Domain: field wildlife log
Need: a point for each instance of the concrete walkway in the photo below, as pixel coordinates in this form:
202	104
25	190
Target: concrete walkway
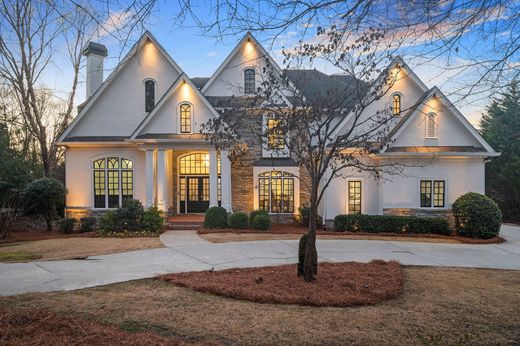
185	251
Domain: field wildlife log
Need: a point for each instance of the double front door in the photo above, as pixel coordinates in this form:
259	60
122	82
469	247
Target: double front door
194	194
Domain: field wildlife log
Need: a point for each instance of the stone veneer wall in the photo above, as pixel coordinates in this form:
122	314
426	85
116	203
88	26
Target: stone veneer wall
443	213
78	213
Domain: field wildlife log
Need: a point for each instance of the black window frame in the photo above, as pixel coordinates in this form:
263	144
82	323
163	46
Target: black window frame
149	95
396	104
355	205
113	181
186	113
432	193
249	81
273	203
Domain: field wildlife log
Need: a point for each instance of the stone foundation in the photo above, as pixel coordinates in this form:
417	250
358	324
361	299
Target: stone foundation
282	218
78	213
443	213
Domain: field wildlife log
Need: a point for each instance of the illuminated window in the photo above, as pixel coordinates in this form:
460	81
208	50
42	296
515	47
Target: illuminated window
276	192
433	193
249	81
113	179
354	197
396	104
149	95
185	110
275	138
431	125
196	164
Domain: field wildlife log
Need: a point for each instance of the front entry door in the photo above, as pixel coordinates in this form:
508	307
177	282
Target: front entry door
197	194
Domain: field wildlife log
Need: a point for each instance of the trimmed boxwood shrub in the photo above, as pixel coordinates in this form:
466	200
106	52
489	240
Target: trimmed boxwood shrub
216	217
109	222
476	216
256	212
390	224
153	220
261	222
67	225
238	220
87	224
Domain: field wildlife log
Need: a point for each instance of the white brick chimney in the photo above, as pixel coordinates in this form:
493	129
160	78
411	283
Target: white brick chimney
95	54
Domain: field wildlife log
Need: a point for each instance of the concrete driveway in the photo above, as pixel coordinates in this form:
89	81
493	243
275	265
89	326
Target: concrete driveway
185	251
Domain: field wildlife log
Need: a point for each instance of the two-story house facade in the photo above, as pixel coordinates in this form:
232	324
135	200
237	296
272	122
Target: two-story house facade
138	135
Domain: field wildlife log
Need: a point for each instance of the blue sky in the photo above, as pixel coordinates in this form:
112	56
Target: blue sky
199	55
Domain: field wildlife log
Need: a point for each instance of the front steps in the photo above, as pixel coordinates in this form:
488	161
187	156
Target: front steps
184	222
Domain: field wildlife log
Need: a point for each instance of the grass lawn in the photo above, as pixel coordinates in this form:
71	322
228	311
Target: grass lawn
69	248
438	306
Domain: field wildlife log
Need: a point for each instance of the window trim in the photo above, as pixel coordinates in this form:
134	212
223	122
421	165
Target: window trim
192	115
106	170
429	116
400	103
283	177
288	169
347	206
244	71
432	181
154	93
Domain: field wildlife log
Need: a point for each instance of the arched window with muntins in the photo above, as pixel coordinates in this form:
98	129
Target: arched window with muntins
185	121
149	95
276	192
113	179
249	81
396	104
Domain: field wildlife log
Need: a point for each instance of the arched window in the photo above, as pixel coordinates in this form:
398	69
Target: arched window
396	104
249	81
276	192
185	112
431	125
149	95
113	181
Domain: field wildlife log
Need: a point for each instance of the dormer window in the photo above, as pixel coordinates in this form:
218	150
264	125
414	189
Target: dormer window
396	105
149	95
249	81
431	125
185	112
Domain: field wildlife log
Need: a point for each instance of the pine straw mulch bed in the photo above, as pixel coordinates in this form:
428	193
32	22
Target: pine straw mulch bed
294	229
40	327
338	284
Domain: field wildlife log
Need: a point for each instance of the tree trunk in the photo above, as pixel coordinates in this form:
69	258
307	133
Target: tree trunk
311	255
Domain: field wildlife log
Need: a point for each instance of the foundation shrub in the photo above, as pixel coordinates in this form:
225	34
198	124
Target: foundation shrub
130	215
238	220
255	213
216	217
261	222
87	224
67	225
153	220
390	224
476	216
109	222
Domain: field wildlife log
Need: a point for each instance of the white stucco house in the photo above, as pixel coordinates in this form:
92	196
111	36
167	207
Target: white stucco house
137	135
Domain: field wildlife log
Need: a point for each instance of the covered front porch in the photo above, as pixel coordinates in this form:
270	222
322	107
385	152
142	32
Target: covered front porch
184	178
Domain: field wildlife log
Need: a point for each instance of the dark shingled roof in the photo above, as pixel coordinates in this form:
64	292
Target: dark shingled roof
436	149
171	136
200	82
95	139
274	162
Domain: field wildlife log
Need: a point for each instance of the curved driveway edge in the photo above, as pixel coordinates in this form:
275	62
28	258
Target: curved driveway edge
186	251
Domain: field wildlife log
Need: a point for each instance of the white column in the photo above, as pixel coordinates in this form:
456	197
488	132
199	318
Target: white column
213	178
150	190
162	182
225	180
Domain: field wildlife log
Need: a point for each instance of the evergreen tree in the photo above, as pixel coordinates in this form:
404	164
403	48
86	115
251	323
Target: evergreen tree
501	128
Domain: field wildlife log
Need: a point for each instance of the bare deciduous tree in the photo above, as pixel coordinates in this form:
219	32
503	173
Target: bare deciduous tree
332	134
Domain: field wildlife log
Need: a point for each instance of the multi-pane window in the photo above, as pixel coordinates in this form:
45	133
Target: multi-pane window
249	81
433	193
396	104
185	110
431	126
276	192
275	137
196	164
354	197
113	181
149	95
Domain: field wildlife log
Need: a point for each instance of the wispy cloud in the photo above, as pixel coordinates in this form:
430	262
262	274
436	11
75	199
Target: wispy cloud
114	22
212	54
